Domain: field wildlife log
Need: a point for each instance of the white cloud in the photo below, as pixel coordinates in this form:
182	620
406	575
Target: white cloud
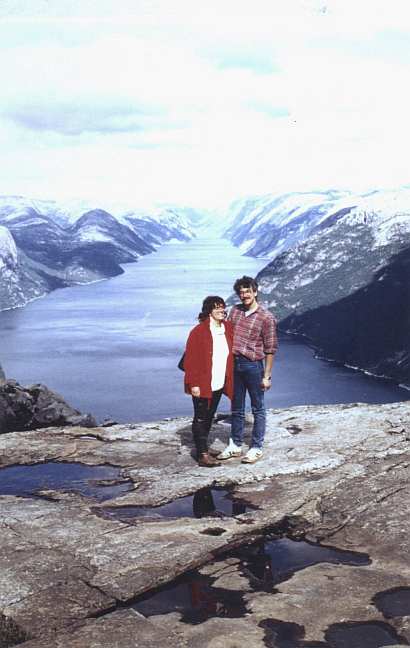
201	101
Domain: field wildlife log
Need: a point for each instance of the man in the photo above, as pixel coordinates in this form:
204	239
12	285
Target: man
254	346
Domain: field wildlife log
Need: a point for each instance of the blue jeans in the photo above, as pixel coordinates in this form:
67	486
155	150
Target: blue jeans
247	378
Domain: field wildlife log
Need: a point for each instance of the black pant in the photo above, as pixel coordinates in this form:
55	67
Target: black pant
204	410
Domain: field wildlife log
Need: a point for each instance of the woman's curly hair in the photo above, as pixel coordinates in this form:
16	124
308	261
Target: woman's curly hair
209	303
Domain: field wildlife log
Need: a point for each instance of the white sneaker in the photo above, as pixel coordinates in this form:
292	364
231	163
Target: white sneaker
252	455
231	450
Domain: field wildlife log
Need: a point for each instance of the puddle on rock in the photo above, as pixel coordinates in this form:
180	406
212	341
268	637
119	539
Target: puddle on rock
366	634
98	482
284	634
207	502
393	603
274	561
264	564
194	598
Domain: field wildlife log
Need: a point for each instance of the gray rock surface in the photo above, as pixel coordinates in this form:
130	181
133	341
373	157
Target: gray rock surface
125	629
35	406
337	474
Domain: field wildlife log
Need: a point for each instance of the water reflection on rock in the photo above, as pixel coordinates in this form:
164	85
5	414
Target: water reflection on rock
196	600
206	502
98	482
263	564
203	504
393	603
371	634
269	563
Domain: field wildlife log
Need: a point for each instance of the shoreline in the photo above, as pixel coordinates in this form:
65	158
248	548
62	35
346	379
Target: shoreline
306	341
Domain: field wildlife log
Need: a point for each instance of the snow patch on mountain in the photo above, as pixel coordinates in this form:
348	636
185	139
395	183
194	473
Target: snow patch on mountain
93	234
345	286
175	218
386	214
8	249
267	226
55	244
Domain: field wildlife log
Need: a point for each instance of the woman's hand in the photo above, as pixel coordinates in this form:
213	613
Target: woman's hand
195	391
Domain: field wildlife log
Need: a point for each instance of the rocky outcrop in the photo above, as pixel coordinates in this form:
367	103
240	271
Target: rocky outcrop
334	474
35	406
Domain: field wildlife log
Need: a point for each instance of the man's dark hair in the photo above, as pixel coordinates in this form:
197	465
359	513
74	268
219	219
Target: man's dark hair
208	305
245	282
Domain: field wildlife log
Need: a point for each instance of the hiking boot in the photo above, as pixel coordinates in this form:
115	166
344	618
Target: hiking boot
231	450
207	461
252	455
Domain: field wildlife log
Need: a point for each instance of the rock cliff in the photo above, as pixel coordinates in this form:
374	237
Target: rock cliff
35	406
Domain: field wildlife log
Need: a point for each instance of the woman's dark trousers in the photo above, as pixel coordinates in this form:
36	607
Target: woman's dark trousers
204	410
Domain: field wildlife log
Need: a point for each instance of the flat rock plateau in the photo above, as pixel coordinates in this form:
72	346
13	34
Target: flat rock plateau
87	569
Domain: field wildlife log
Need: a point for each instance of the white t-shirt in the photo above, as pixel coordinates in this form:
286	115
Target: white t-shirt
219	356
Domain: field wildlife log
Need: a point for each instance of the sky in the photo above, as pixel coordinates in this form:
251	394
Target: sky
200	103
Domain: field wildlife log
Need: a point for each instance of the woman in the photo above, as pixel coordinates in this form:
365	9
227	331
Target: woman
208	366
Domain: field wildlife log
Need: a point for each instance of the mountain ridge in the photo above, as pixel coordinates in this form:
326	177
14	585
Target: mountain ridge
342	266
57	248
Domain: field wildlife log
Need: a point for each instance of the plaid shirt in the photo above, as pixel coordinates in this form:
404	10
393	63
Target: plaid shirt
255	334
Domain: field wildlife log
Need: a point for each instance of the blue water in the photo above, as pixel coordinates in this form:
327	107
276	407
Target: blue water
64	476
111	348
214	502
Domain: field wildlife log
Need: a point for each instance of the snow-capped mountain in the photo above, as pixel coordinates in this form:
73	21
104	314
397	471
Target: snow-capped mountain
8	250
162	224
8	265
346	286
18	283
51	246
98	226
173	221
11	204
267	225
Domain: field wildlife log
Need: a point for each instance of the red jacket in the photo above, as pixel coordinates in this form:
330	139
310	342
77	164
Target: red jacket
198	360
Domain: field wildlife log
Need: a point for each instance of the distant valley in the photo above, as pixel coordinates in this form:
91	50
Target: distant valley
45	245
338	275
